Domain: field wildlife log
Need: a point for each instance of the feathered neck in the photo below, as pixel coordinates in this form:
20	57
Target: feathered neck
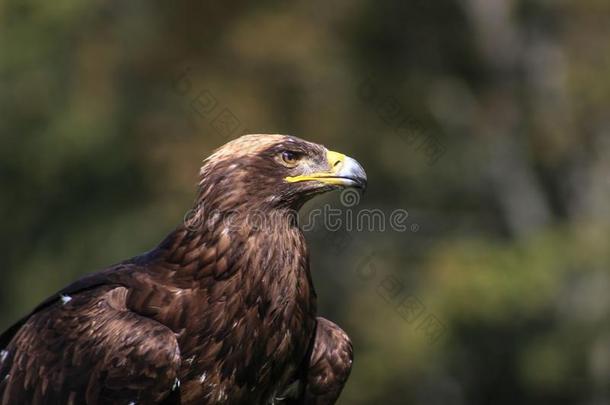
220	242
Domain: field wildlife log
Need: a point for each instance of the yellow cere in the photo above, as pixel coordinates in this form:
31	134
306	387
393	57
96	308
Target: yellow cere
335	161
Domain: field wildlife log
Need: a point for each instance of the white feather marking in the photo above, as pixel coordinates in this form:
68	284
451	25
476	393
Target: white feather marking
289	392
221	395
176	385
203	377
3	356
65	299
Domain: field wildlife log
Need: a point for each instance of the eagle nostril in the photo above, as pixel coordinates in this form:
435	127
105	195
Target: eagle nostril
337	163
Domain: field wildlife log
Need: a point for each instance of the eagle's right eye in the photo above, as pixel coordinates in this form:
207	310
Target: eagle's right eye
290	158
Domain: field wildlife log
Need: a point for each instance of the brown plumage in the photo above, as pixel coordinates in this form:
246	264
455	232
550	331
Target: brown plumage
222	311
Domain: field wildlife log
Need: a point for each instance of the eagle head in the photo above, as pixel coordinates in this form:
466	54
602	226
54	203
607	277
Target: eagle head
274	171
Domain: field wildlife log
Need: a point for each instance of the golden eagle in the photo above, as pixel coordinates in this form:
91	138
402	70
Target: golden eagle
222	311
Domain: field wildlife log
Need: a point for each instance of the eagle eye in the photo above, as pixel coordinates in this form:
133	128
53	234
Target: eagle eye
290	158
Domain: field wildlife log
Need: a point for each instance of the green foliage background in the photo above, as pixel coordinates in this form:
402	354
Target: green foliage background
102	136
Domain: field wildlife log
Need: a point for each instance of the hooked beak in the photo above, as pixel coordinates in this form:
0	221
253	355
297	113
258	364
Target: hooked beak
343	171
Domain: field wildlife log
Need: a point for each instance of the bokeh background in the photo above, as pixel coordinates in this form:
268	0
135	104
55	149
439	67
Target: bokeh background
488	121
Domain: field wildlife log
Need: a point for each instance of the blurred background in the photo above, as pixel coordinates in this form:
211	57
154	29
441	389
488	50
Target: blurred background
488	121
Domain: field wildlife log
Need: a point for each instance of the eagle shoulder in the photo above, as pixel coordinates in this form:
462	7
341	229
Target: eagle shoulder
89	348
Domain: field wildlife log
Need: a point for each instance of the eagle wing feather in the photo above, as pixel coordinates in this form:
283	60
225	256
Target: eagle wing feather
89	348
